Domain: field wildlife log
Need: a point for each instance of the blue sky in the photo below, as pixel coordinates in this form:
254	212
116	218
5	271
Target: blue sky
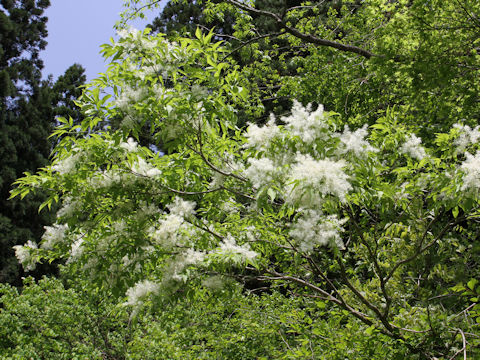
76	29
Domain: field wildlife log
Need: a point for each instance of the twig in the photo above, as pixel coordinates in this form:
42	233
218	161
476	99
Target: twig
137	10
426	247
464	348
245	43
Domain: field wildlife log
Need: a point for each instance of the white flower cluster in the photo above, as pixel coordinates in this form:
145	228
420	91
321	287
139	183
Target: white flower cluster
131	145
260	171
126	32
137	39
217	180
314	229
69	206
68	164
108	178
190	257
182	208
229	247
309	180
304	123
172	228
467	136
139	292
325	177
53	235
76	250
25	256
168	233
260	137
141	167
128	97
213	282
355	141
471	169
228	164
413	148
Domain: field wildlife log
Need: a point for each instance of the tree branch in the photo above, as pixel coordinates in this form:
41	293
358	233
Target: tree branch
421	249
359	315
298	34
245	43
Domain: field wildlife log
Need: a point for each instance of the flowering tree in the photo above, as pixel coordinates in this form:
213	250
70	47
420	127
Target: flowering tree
366	221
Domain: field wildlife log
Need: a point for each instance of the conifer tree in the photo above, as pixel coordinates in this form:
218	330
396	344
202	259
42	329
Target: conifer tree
28	107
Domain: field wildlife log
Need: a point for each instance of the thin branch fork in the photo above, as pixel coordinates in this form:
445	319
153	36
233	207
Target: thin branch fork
464	348
383	319
421	249
206	161
298	34
329	297
137	10
256	38
373	257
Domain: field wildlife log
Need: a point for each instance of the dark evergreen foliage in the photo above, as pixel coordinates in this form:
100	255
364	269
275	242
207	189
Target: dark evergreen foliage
28	107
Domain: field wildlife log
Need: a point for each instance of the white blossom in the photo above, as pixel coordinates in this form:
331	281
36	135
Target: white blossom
213	282
76	250
143	168
131	145
69	206
182	207
325	177
260	171
190	257
193	257
229	206
413	148
129	96
126	32
168	232
355	141
53	235
179	263
218	180
146	210
68	164
231	164
229	247
314	229
260	137
466	136
471	169
306	124
24	254
119	226
108	178
139	292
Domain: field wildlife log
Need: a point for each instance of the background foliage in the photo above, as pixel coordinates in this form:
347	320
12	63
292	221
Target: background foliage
188	233
28	107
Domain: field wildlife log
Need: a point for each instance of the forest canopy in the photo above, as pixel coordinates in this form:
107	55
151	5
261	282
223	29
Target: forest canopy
302	184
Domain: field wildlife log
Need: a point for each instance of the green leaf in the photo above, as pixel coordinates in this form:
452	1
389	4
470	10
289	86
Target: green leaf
455	211
369	331
198	33
471	284
271	194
